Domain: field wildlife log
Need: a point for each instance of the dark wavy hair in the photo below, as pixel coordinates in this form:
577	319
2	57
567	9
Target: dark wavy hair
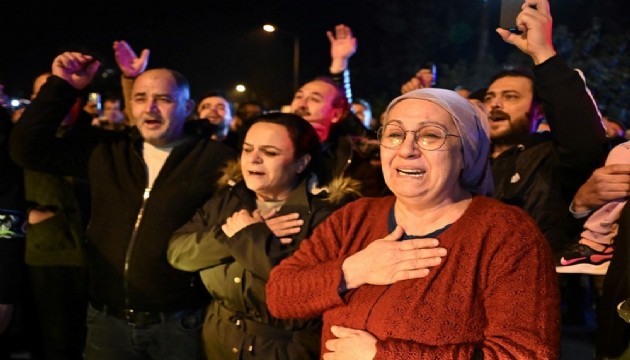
518	72
302	135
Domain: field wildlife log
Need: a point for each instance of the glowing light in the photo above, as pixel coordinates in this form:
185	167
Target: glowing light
269	28
240	88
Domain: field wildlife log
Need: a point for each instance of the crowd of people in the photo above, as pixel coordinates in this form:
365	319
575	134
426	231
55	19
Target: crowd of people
152	224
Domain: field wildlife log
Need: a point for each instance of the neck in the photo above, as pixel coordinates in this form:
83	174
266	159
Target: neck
498	149
419	219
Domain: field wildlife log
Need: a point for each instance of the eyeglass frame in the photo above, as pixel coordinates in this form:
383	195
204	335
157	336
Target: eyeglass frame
416	138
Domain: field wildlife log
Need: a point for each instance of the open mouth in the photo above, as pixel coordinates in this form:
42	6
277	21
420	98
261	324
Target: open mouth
152	122
255	173
498	116
411	172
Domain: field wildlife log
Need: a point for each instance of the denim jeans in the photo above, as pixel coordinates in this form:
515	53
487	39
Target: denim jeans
177	338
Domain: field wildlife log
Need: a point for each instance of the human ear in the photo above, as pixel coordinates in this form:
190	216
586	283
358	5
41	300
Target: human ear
303	163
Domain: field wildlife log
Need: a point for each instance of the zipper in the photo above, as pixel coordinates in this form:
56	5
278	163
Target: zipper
132	243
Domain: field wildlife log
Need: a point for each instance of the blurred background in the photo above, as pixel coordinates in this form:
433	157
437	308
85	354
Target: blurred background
219	45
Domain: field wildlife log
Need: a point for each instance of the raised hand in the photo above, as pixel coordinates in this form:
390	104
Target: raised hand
129	63
422	79
387	261
535	23
76	68
342	46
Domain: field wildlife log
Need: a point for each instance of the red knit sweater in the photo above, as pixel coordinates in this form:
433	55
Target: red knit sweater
496	290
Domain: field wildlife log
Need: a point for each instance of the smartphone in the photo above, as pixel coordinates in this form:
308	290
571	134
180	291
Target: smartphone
434	73
94	98
509	11
431	66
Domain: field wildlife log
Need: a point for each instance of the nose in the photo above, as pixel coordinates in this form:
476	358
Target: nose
298	104
255	157
494	103
409	148
151	106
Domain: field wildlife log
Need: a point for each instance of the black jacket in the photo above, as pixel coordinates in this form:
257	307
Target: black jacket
542	173
12	206
613	334
129	228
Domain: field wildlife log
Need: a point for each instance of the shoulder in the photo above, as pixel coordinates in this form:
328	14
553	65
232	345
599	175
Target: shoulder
497	212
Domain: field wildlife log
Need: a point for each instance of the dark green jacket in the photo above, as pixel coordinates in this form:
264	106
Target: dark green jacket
59	240
235	271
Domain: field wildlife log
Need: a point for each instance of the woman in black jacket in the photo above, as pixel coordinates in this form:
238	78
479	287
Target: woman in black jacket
258	217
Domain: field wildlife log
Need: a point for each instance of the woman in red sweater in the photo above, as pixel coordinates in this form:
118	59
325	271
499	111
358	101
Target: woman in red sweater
436	271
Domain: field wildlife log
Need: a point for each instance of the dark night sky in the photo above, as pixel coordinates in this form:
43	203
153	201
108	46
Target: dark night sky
219	44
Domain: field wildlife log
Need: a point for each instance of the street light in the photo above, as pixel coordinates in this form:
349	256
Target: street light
296	53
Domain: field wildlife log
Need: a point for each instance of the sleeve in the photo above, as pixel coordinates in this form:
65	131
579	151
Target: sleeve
343	80
33	141
126	86
574	119
196	246
306	284
521	303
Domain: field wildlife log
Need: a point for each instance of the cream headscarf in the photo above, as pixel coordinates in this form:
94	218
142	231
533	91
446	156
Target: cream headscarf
473	128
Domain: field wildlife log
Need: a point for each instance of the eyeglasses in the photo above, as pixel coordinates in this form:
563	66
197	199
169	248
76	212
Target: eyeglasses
428	137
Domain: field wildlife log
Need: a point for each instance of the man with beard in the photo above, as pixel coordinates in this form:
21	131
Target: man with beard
217	110
541	172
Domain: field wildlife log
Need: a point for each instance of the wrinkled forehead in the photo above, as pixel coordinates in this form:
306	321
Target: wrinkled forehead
321	87
157	81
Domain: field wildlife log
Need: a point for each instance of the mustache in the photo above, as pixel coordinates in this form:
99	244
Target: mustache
498	114
301	112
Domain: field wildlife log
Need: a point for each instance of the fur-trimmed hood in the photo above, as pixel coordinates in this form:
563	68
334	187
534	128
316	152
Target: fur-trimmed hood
337	191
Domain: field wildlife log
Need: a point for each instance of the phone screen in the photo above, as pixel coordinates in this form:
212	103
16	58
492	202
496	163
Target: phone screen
509	11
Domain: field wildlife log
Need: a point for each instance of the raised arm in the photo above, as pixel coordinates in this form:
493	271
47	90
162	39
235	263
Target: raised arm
342	46
130	66
568	106
33	143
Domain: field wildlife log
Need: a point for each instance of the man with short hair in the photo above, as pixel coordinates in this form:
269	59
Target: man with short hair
540	172
215	108
145	182
112	117
323	102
